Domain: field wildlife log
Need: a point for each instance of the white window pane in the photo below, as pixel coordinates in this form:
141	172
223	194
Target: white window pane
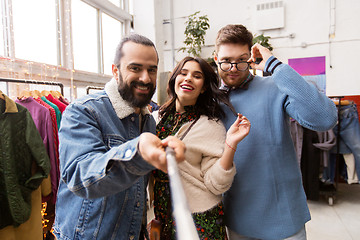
2	53
84	36
81	91
67	94
3	87
131	7
35	30
112	32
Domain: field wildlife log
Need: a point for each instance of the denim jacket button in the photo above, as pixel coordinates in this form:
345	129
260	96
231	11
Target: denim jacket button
128	153
138	204
132	119
132	237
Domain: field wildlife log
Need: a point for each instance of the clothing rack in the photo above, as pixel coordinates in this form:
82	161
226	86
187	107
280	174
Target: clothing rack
12	80
93	87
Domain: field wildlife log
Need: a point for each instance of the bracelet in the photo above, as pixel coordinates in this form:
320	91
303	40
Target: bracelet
230	146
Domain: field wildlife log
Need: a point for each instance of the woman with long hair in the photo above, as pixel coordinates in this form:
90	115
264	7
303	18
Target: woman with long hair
208	170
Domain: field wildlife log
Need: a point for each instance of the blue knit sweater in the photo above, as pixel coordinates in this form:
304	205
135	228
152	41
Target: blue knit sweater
267	199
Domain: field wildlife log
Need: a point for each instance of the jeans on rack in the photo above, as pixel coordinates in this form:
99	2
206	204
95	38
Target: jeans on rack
349	133
329	171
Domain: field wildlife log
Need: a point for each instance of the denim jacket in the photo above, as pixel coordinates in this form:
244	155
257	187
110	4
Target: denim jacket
103	177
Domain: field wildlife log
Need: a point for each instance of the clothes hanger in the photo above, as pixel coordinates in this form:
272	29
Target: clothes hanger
38	93
45	93
343	102
35	94
24	94
59	93
56	94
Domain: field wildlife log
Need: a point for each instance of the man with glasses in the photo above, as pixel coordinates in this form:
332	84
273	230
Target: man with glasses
267	200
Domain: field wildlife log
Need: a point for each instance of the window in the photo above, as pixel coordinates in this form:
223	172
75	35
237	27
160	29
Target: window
2	42
39	45
112	32
84	36
81	91
3	87
131	7
34	24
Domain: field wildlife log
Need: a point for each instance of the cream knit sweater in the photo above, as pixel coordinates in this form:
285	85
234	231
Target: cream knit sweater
203	179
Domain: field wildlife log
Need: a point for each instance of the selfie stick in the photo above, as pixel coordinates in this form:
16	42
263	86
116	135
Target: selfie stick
185	227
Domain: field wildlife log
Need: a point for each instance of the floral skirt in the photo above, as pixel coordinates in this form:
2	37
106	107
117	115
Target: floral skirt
209	224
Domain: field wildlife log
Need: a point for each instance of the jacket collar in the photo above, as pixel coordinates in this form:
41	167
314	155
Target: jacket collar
10	105
122	107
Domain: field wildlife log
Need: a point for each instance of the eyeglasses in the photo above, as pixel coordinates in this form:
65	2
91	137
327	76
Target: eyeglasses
227	66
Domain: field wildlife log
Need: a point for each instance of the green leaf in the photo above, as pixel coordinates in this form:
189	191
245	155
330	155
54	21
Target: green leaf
195	32
263	41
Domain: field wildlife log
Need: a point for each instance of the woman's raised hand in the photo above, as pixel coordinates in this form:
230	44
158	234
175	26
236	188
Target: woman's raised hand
238	130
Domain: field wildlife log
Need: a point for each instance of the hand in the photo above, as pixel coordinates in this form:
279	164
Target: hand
238	130
152	149
258	51
178	146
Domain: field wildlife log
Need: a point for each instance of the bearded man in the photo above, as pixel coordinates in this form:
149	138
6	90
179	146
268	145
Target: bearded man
107	149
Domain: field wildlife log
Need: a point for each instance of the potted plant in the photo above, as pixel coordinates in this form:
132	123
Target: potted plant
195	32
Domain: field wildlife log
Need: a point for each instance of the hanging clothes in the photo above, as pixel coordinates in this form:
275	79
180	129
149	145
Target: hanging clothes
57	110
349	133
310	164
313	149
327	140
55	101
54	181
54	123
24	162
63	100
297	134
43	122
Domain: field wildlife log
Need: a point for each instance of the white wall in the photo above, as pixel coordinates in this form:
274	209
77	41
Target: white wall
311	23
144	20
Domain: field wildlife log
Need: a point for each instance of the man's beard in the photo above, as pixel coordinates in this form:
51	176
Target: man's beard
127	93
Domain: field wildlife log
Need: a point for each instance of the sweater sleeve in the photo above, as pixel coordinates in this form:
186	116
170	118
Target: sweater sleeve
219	180
208	146
304	102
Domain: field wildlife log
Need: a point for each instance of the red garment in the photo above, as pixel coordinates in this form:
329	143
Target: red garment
55	101
63	100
